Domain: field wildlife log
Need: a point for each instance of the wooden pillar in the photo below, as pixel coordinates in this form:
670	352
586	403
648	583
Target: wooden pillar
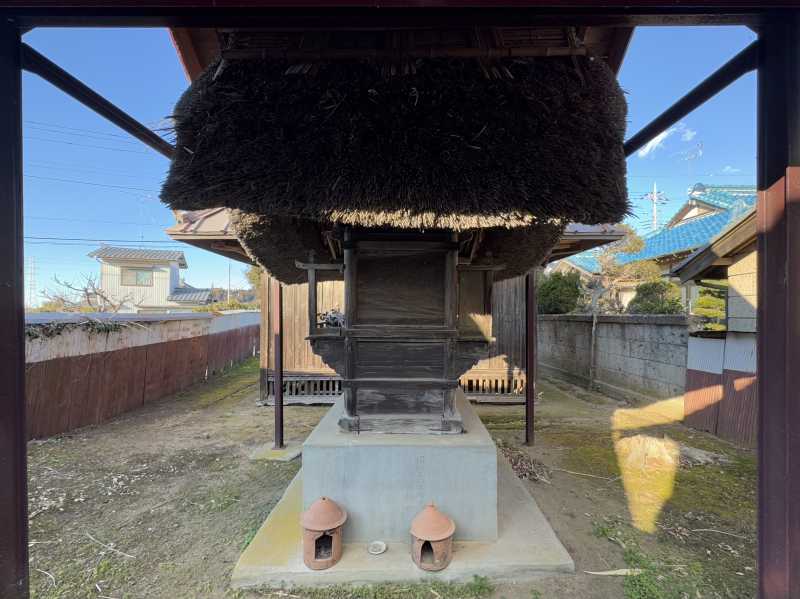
264	333
13	433
277	336
530	354
778	216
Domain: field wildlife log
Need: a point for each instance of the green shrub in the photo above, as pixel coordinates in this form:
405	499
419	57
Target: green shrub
559	293
657	297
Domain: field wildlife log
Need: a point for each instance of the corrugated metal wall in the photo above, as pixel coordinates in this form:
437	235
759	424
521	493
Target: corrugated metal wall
721	391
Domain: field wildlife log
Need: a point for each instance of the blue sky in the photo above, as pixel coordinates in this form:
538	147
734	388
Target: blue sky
715	144
86	179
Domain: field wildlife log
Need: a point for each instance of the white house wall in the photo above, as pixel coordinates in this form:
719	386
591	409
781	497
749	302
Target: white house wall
139	297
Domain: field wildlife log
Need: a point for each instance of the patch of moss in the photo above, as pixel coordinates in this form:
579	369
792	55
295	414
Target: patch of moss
725	490
227	387
588	450
509	422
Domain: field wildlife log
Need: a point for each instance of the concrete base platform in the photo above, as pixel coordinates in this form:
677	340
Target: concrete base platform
526	548
383	480
269	453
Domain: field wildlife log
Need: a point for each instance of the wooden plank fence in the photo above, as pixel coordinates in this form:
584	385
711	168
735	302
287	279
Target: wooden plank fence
65	393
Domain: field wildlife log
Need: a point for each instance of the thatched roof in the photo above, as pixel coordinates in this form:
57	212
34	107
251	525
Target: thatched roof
276	244
437	143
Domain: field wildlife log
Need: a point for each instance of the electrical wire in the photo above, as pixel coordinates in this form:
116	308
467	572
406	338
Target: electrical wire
74	167
44	124
72	143
35	237
89	220
127	187
84	135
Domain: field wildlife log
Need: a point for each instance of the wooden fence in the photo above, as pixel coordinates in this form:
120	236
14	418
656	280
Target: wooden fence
79	377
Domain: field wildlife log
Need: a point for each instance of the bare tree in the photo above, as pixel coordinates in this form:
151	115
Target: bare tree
87	296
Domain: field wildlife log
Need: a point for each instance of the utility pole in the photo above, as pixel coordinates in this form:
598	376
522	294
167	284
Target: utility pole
655	197
31	281
229	282
655	206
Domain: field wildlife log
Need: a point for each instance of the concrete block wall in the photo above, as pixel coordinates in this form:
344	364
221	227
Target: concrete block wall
635	355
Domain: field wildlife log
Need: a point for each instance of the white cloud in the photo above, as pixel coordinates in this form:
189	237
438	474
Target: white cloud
657	142
729	170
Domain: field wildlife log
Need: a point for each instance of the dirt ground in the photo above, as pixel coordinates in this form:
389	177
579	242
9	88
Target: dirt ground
161	501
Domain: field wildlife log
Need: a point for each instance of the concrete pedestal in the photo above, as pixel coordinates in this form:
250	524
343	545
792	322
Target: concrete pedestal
384	480
526	548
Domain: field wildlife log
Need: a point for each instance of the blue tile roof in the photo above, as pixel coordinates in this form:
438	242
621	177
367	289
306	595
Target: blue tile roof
733	202
586	260
727	198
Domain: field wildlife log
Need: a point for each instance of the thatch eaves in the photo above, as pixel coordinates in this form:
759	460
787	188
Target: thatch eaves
458	144
442	146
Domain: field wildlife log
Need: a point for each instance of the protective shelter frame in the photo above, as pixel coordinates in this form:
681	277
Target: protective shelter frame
776	55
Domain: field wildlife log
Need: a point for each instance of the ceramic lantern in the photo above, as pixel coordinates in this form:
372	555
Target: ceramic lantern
432	539
322	533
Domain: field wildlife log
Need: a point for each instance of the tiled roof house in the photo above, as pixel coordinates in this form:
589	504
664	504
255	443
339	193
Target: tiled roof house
707	212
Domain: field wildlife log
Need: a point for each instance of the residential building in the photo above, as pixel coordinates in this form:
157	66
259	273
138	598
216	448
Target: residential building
707	212
721	366
144	280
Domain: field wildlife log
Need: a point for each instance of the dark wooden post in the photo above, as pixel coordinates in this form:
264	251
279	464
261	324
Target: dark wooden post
779	310
264	333
277	336
530	354
312	300
13	433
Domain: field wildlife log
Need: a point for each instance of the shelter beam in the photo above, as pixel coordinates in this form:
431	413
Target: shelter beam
366	14
13	431
35	62
778	224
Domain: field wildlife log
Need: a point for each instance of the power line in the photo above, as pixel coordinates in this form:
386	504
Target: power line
90	244
84	134
122	137
42	123
72	143
103	240
89	220
74	167
81	182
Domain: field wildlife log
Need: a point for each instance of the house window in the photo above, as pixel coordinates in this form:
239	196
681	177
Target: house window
137	277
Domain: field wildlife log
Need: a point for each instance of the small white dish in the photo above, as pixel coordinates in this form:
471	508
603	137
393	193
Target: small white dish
376	547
